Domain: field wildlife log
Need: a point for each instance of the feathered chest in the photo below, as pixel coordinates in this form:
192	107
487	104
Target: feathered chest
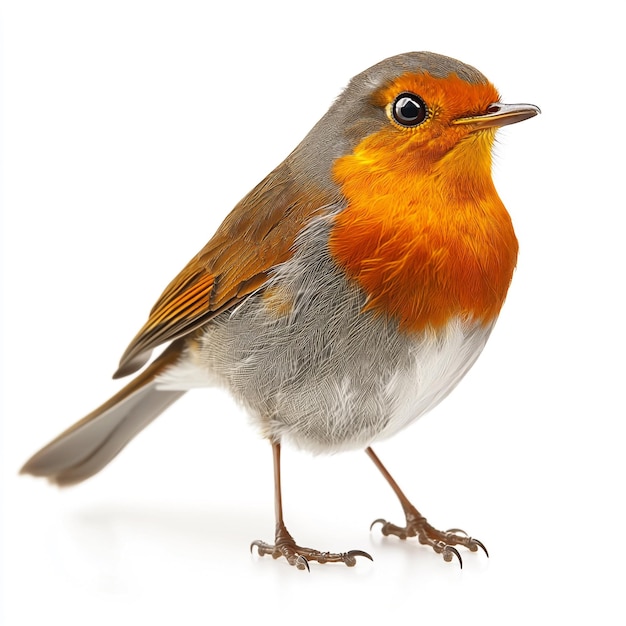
425	249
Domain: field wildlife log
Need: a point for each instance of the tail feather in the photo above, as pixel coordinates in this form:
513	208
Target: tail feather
90	444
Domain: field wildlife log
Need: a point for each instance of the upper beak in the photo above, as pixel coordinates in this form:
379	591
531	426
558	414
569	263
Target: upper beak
499	114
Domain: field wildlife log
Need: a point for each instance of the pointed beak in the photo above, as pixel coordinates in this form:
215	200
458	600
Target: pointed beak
499	114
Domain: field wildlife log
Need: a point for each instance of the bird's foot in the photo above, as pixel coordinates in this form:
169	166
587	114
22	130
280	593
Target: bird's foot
285	546
442	542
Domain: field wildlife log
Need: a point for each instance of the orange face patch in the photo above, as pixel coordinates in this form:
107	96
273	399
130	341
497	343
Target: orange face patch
446	100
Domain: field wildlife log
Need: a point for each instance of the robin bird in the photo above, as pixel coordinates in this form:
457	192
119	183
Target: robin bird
342	298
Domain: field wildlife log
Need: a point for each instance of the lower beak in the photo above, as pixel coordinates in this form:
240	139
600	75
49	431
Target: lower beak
499	114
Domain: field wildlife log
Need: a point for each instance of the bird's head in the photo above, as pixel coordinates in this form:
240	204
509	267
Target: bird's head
412	112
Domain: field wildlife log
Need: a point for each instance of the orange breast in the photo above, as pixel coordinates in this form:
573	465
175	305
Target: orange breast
425	243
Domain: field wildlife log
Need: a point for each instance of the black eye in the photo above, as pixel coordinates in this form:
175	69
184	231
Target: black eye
409	109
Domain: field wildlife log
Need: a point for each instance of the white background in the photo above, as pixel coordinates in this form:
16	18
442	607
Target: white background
131	129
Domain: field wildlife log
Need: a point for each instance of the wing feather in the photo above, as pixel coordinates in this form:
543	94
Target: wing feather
256	236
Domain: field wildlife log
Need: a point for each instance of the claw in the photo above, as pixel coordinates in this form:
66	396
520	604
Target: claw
457	531
355	553
261	547
447	553
380	521
302	563
481	545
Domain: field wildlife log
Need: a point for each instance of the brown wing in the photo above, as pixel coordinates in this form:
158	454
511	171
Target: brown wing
257	235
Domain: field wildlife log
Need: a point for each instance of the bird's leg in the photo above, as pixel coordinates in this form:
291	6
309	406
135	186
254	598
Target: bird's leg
285	545
442	542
